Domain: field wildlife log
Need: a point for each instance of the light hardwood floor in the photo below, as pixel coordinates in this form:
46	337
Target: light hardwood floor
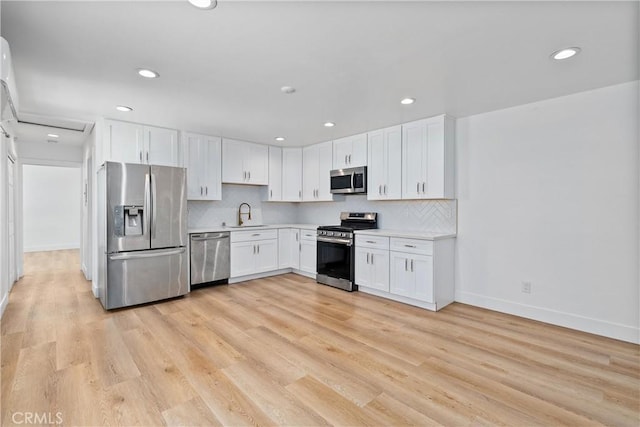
287	351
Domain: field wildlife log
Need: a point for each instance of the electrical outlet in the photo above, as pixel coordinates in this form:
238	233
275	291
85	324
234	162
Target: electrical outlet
526	287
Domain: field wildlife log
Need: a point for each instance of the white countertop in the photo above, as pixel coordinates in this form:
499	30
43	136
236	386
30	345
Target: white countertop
220	228
407	234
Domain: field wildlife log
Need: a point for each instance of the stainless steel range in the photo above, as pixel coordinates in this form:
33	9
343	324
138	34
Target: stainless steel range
336	249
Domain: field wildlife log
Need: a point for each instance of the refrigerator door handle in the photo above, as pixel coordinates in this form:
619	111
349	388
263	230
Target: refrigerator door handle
147	205
144	254
153	206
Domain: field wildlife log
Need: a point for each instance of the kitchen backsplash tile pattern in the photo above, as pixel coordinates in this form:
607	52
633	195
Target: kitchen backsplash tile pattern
214	213
419	215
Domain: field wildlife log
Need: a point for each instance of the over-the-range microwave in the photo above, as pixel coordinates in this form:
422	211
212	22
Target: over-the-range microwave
349	181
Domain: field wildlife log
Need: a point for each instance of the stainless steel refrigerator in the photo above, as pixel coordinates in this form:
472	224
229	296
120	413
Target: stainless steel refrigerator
142	214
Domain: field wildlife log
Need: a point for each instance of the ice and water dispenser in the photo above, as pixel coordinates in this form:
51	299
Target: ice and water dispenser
128	220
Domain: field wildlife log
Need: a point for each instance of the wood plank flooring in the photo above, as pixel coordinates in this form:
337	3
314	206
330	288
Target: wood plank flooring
286	351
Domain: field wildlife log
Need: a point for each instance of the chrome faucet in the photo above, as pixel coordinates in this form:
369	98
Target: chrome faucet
240	213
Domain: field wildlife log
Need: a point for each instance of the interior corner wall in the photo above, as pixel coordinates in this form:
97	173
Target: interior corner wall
51	207
548	193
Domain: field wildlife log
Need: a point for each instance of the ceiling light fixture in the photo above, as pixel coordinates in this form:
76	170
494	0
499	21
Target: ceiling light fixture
288	89
407	101
329	124
53	135
279	138
149	74
204	4
124	108
565	53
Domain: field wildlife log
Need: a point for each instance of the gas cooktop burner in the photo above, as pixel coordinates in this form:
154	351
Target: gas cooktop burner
350	221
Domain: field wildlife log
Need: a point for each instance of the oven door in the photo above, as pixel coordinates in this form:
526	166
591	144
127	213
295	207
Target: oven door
335	264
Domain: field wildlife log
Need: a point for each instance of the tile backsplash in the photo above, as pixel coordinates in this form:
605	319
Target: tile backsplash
419	215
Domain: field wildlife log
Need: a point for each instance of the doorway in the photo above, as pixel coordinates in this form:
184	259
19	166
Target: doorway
51	208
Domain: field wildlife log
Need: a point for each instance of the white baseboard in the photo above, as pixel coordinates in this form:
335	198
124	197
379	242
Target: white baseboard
554	317
258	276
44	248
304	273
94	289
3	303
399	298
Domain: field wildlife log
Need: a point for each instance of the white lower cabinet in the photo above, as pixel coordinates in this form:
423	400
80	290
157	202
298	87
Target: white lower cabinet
297	249
308	255
372	262
253	252
414	271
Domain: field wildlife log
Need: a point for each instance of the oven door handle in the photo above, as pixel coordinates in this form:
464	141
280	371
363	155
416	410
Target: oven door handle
346	242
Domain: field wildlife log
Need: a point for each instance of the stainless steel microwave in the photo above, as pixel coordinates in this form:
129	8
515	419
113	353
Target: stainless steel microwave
349	181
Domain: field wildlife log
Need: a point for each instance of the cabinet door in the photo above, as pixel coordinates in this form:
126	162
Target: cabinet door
341	151
401	280
435	158
308	261
292	174
211	168
392	188
275	174
125	142
196	151
377	170
296	248
162	146
285	249
258	164
379	269
243	258
266	255
413	159
323	183
358	155
422	267
310	173
233	153
363	267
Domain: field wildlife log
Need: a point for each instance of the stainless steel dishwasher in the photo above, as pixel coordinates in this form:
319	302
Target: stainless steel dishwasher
209	258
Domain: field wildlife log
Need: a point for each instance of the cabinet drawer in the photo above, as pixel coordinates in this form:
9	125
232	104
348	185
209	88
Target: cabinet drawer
252	235
412	246
374	242
308	234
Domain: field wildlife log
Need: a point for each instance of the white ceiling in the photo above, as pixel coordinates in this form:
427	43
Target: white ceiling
351	62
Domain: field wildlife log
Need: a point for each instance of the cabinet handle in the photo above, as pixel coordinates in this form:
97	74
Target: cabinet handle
370	241
423	187
255	235
254	249
297	239
371	259
380	190
418	187
345	159
385	189
367	257
270	193
409	246
206	190
141	157
300	247
411	260
411	265
300	194
147	157
406	261
201	190
244	175
349	158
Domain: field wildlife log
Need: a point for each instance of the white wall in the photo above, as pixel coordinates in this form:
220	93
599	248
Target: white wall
51	207
33	152
548	193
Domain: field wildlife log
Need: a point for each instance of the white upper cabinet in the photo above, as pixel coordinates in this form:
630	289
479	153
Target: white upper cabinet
244	162
275	174
350	152
136	143
204	166
292	174
427	158
384	170
316	165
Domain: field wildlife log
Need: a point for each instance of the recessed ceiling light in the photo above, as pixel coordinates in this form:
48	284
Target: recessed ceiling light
149	74
565	53
329	124
288	89
204	4
124	108
279	138
52	135
407	101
